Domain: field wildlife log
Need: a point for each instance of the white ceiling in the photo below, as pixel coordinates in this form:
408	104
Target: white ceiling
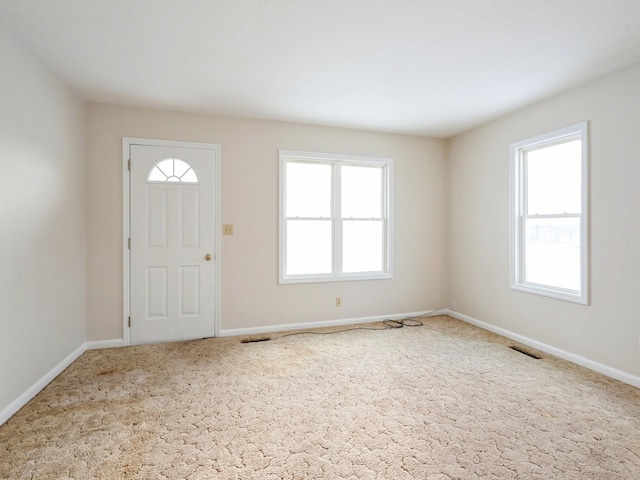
425	67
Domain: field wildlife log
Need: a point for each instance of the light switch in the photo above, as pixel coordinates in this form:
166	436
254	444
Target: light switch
227	229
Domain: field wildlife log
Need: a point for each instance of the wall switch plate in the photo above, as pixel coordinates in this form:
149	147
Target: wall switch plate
227	229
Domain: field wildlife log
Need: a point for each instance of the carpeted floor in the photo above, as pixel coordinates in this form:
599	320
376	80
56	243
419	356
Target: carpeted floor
442	401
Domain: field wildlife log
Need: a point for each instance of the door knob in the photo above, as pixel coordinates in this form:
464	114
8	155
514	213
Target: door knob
208	257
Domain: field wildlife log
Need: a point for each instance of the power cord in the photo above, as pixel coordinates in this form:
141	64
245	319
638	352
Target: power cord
387	324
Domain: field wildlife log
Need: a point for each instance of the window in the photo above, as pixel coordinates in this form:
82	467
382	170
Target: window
172	170
549	218
335	217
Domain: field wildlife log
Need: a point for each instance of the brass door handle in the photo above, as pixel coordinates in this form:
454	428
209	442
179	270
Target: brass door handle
208	257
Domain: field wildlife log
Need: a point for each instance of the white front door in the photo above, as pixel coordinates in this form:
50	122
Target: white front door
172	230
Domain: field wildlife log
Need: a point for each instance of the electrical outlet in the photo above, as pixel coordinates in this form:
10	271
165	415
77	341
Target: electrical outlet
453	305
227	229
338	301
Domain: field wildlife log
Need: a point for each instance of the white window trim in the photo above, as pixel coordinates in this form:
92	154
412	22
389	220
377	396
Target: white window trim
516	212
337	276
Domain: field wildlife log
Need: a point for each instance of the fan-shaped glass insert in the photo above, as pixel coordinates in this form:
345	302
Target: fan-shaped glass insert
172	170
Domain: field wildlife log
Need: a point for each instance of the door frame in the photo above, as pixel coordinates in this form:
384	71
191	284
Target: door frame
127	142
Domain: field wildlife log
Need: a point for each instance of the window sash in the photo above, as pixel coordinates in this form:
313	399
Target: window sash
527	247
345	246
311	257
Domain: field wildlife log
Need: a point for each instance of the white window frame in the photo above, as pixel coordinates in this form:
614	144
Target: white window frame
387	217
518	210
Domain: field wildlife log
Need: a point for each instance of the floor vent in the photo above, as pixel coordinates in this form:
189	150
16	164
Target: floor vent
524	352
254	340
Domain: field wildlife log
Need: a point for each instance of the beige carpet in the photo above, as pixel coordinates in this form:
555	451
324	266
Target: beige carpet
443	401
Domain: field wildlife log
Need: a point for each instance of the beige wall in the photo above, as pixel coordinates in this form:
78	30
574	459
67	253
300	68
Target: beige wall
608	330
42	292
250	294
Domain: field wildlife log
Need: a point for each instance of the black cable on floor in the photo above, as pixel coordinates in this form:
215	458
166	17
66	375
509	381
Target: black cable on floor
405	322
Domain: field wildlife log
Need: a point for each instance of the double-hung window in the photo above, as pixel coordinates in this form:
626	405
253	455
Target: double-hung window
335	217
549	221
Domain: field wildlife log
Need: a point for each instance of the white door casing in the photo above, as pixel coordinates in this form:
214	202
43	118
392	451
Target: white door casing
173	230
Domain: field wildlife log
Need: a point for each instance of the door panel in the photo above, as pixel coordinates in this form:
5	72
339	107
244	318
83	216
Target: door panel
157	222
190	291
190	218
156	290
172	202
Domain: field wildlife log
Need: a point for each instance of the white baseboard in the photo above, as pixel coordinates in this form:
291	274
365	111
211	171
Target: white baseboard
32	391
115	343
325	323
543	347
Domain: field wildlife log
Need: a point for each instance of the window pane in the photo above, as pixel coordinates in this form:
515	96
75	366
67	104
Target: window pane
166	166
554	179
361	192
156	175
172	170
362	246
308	190
309	247
180	167
552	252
189	177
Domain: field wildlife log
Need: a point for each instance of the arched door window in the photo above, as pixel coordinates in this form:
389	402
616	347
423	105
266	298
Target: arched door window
172	170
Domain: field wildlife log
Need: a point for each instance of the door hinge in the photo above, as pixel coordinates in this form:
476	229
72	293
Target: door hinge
129	165
129	322
129	243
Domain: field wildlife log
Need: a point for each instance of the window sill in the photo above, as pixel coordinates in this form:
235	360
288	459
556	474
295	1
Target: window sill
333	278
559	294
